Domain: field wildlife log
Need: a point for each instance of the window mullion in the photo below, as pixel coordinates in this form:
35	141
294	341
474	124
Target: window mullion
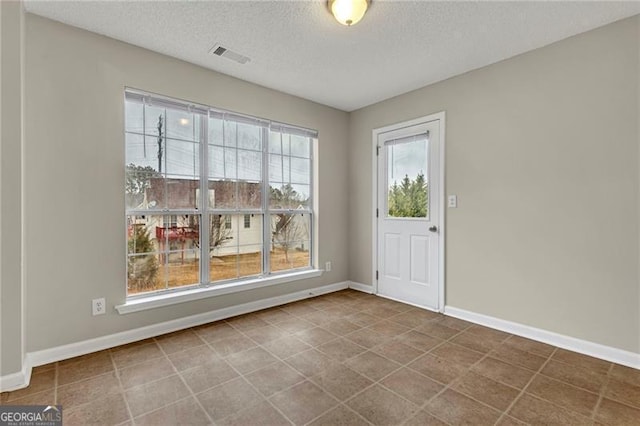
266	219
204	201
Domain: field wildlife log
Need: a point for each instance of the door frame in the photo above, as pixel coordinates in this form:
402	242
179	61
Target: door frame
440	116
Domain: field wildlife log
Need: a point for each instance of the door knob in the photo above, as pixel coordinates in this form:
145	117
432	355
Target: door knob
433	228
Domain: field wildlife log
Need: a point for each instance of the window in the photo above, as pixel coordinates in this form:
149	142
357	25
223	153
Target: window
241	169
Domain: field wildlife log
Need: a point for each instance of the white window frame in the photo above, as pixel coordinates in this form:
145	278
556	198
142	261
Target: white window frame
204	288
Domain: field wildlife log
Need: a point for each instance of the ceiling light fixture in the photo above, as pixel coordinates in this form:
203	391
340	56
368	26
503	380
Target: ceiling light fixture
348	12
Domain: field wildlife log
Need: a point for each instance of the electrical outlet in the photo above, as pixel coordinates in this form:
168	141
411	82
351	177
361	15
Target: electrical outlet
98	306
327	267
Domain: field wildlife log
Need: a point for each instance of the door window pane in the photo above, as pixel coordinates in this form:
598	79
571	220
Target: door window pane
407	177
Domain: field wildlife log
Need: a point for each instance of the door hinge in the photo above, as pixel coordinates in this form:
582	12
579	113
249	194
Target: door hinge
377	212
376	275
377	150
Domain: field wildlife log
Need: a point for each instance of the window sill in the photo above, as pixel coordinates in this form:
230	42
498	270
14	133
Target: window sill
157	301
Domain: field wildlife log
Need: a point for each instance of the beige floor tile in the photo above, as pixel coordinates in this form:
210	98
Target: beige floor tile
193	357
179	341
626	374
246	322
563	395
435	329
451	322
614	413
419	340
423	418
151	396
208	375
536	411
85	391
340	416
455	408
415	318
437	368
229	398
230	345
528	345
310	362
321	317
341	349
485	390
503	372
108	410
84	369
250	360
184	412
517	357
341	327
585	378
216	331
262	413
315	336
265	334
367	338
273	315
576	359
412	386
341	381
476	341
286	347
623	392
372	365
388	328
145	372
458	354
382	407
295	325
362	319
130	355
398	352
274	378
303	402
297	309
47	397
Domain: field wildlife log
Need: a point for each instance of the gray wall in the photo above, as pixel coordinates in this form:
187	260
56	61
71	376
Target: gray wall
542	151
11	85
74	176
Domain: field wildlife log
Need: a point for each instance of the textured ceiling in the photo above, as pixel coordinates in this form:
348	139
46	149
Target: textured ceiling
298	48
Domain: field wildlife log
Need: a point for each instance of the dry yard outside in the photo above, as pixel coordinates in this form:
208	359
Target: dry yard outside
225	268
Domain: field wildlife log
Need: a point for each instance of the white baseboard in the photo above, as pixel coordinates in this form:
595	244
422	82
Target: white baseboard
361	287
58	353
17	380
608	353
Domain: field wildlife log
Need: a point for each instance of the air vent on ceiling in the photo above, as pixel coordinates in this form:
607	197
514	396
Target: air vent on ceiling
219	50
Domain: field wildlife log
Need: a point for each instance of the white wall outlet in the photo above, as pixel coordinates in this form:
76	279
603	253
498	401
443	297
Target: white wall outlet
327	267
98	306
452	201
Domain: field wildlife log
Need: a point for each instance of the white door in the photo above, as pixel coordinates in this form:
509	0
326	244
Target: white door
408	213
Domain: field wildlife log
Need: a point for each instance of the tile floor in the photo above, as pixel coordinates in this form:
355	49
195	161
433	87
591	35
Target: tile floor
346	358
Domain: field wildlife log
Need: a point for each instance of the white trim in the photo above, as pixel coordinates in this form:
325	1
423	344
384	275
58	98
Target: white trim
167	299
361	287
439	116
608	353
18	380
104	342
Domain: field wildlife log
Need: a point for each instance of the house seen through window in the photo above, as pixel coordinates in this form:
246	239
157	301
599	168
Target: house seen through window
212	196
